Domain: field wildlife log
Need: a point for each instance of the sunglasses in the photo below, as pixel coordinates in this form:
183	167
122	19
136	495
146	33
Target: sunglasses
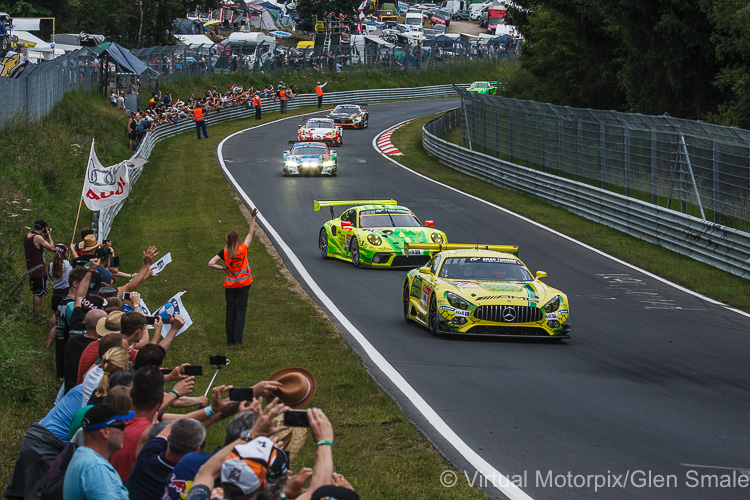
118	425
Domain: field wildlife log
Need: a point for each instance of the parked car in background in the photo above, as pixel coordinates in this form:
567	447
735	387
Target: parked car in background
461	15
476	10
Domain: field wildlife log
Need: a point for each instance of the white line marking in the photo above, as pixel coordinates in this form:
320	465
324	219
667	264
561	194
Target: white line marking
565	236
493	476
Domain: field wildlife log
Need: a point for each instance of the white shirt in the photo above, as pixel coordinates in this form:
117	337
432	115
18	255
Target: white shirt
90	383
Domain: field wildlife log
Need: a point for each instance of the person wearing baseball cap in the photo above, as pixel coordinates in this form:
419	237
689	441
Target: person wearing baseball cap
89	474
34	244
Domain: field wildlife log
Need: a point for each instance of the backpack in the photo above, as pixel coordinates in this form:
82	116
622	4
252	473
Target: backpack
53	484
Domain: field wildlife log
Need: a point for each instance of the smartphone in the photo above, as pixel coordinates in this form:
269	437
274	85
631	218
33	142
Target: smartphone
241	394
126	296
114	261
296	418
150	320
218	360
194	370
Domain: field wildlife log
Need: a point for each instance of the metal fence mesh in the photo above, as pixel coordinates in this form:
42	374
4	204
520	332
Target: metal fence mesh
694	166
35	92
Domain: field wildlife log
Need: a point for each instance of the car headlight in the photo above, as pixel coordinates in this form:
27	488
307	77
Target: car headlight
328	163
553	305
374	239
292	163
357	118
456	301
437	238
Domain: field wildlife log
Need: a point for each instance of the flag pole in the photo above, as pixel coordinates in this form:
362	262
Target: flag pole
75	228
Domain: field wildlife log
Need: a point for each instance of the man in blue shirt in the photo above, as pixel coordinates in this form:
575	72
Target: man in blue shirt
158	457
90	476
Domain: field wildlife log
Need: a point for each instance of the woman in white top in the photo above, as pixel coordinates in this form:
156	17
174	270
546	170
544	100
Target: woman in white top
59	269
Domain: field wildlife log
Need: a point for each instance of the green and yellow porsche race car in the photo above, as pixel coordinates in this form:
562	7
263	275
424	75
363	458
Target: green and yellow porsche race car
374	233
482	290
484	87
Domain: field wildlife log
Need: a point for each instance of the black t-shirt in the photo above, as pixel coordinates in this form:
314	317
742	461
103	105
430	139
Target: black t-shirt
73	349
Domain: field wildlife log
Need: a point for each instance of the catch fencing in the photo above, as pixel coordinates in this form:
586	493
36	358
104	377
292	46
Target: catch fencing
693	166
34	93
720	246
102	221
176	62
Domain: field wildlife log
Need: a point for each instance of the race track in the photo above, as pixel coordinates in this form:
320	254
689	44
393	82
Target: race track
654	383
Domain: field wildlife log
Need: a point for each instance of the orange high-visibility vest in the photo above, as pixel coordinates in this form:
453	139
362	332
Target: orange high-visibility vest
238	269
256	100
198	114
282	95
319	90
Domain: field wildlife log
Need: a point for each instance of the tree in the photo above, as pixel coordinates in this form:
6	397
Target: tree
731	39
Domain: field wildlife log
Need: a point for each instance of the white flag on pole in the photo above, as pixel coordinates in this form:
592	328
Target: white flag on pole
174	306
104	186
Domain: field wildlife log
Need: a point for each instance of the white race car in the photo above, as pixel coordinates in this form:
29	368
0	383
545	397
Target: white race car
321	130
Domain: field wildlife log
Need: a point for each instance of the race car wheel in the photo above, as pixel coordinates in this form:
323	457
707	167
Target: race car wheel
366	123
406	302
354	250
434	321
323	243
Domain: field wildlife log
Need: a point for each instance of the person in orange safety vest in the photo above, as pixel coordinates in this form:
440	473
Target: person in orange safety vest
283	98
319	93
200	121
256	104
233	261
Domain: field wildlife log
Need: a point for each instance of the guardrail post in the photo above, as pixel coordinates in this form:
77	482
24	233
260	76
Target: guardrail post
602	157
654	178
626	145
579	150
526	136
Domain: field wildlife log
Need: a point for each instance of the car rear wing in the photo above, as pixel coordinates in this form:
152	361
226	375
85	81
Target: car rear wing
336	203
439	247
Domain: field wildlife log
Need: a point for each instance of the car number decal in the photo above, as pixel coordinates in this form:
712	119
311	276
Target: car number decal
426	291
414	251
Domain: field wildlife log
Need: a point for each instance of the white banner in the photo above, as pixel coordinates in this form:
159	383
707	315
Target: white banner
104	187
174	306
160	264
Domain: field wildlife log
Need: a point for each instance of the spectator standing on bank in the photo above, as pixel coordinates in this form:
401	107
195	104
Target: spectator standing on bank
89	474
319	92
283	99
200	121
257	104
34	244
233	261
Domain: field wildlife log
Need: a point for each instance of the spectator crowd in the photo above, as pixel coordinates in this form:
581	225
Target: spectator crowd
113	432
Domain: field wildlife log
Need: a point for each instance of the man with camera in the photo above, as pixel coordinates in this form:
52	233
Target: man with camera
34	244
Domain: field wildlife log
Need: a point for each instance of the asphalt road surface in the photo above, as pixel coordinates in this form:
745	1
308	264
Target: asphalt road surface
650	398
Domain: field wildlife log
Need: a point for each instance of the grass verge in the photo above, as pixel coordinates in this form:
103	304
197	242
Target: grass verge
702	278
183	205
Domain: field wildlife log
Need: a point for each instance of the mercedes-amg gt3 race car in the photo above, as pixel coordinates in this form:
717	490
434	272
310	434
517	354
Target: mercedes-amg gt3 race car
350	115
321	130
310	158
482	290
374	233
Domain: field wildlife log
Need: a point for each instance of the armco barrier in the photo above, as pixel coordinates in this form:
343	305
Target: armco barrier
102	221
722	247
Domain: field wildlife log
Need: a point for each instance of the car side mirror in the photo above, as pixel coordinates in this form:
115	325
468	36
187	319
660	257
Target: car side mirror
428	223
541	274
286	152
425	270
299	126
345	224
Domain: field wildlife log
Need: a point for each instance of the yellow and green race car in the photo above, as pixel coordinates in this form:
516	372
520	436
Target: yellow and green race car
482	290
374	233
484	87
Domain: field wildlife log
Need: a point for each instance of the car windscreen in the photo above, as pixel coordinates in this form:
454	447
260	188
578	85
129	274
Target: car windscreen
484	268
346	109
480	85
319	124
387	218
309	150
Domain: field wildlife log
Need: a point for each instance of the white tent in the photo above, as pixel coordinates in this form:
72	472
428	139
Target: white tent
195	40
36	49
